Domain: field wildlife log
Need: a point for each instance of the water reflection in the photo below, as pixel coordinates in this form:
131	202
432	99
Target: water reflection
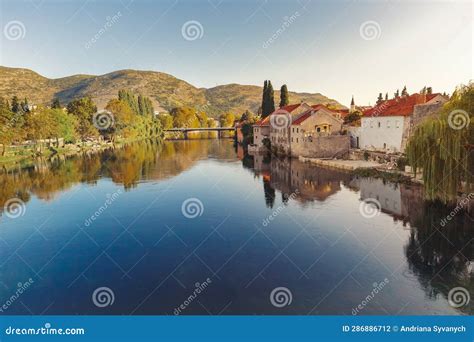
420	252
440	257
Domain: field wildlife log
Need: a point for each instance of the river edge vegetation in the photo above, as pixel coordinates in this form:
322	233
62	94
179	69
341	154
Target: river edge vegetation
41	131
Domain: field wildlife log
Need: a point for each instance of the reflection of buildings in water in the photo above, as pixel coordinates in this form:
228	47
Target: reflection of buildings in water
387	194
313	183
399	200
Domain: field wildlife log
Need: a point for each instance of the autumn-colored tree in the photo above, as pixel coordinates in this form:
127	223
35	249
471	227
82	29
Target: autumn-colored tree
84	109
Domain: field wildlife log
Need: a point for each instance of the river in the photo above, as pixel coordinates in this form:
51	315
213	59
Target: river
197	227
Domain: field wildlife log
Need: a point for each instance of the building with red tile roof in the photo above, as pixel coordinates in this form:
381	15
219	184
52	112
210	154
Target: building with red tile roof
387	126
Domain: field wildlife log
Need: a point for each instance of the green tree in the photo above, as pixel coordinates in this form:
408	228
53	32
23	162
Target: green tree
386	96
65	125
443	148
284	98
380	98
404	91
84	109
268	100
7	133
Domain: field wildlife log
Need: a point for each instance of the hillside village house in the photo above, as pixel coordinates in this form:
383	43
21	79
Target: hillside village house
261	129
387	126
302	130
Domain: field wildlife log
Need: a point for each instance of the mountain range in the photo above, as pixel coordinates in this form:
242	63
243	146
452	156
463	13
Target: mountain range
166	91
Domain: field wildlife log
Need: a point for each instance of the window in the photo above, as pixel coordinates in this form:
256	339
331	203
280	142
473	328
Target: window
379	124
293	129
297	130
318	129
296	140
291	139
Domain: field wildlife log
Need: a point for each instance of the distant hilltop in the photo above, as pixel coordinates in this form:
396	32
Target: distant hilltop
166	91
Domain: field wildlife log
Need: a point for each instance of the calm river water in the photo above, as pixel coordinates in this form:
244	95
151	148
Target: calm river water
194	227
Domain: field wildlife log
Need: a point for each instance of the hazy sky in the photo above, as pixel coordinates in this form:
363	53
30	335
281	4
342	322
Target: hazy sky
338	48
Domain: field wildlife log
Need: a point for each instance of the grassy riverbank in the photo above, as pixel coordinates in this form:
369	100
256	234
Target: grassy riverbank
389	176
28	155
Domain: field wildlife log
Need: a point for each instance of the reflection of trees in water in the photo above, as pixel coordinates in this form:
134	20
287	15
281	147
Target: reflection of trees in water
269	193
442	257
126	165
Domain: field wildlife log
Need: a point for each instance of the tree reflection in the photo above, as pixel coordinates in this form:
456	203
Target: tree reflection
442	257
127	165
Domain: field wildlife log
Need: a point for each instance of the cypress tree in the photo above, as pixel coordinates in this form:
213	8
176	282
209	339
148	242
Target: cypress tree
271	98
404	91
386	96
380	98
284	99
264	98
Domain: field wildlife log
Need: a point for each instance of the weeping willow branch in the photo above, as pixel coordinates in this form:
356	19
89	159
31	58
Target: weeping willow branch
442	148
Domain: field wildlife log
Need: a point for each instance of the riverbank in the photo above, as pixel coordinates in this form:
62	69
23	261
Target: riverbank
27	156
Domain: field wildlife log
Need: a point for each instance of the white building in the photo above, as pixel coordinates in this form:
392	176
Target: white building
387	126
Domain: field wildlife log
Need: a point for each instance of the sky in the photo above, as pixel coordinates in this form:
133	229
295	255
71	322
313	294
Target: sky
337	48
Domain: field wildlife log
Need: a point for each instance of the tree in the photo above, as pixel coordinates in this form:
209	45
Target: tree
185	117
386	96
271	98
122	119
397	94
16	107
40	125
7	134
56	104
84	109
380	98
429	90
404	91
64	125
264	96
443	148
166	121
284	99
268	101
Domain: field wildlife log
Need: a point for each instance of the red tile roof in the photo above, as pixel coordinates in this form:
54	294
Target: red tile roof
401	106
308	113
288	108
